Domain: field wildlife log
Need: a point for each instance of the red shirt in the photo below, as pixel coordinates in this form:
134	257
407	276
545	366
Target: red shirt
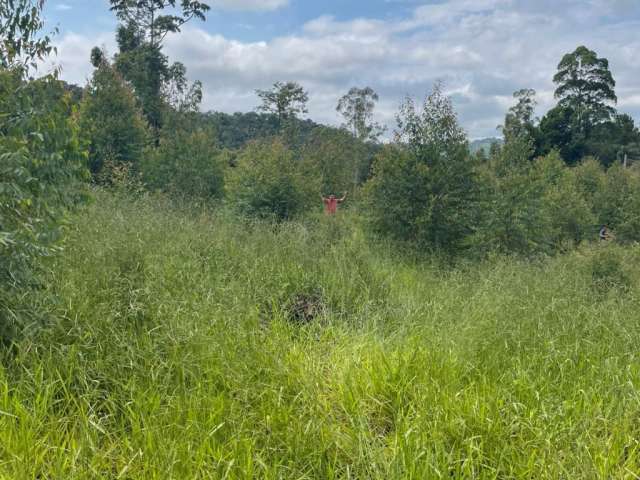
331	205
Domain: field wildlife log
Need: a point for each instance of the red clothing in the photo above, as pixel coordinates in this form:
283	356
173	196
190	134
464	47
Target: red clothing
331	205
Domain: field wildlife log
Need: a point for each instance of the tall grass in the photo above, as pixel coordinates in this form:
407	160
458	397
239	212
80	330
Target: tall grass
171	351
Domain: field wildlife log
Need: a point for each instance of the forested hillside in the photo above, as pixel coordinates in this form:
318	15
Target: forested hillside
187	294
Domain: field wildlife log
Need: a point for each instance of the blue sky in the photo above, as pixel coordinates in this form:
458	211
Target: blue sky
483	50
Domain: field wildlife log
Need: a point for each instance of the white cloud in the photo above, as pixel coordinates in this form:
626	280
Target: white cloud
249	5
63	7
74	53
484	50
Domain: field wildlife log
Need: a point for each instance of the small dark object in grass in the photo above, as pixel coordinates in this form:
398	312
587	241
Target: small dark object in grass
305	307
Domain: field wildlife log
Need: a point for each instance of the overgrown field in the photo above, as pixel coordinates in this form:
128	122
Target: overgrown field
181	345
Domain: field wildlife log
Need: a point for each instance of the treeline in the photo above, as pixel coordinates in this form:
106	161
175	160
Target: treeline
137	125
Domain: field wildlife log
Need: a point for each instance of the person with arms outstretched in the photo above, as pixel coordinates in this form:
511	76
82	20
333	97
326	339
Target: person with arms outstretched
331	203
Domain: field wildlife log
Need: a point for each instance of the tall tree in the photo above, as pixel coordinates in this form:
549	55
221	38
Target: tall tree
140	59
585	92
586	86
519	121
41	161
423	188
286	100
148	17
357	108
111	120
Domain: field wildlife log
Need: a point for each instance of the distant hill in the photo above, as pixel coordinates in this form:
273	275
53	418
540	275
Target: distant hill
484	144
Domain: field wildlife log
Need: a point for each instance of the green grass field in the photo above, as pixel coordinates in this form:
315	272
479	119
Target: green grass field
180	345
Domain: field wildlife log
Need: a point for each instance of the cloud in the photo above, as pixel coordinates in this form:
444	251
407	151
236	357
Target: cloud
483	50
74	51
249	5
63	7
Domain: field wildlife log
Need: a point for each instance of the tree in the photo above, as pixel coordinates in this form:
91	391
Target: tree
617	140
146	68
586	86
147	18
559	130
110	120
566	211
357	109
140	59
268	182
510	218
286	100
177	92
42	163
423	188
187	162
21	42
340	159
519	121
618	204
585	91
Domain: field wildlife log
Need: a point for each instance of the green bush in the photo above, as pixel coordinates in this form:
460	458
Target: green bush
269	182
187	163
618	205
511	218
607	269
342	161
112	122
42	165
423	189
569	214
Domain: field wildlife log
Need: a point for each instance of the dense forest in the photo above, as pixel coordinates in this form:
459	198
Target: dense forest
136	229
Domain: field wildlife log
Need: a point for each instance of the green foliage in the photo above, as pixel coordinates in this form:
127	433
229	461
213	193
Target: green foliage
341	160
111	121
41	166
584	123
22	45
234	131
269	182
586	85
146	68
612	196
511	218
530	207
559	130
614	141
158	86
187	162
607	268
618	205
423	190
147	16
569	213
519	121
357	109
285	100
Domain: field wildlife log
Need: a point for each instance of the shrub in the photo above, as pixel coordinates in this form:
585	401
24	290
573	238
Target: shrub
511	217
187	163
423	189
42	165
111	121
606	267
618	205
268	182
570	217
341	160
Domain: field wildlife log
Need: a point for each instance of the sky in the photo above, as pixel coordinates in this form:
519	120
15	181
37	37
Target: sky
482	50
